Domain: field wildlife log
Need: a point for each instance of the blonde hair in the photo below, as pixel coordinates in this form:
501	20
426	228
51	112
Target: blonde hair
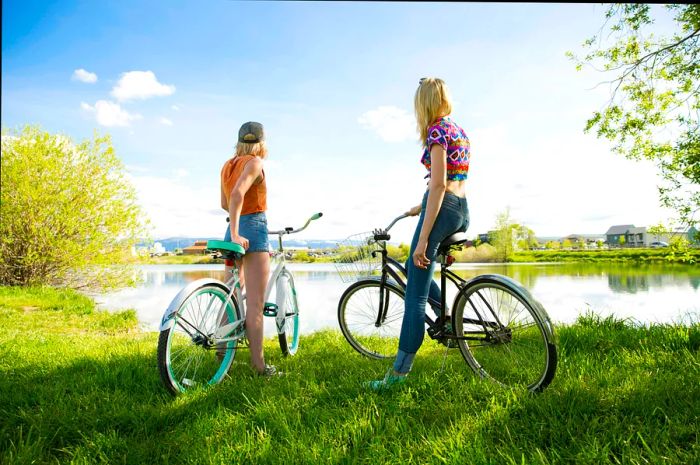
257	149
431	102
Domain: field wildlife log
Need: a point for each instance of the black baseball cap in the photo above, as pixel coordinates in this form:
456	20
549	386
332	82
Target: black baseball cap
251	132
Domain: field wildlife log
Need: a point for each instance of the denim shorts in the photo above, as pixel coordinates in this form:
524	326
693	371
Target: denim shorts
254	228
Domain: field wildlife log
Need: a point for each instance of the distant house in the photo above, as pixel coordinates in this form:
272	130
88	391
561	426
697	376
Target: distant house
634	237
198	248
484	238
637	237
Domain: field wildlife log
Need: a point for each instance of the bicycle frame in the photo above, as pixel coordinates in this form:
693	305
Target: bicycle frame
234	284
389	269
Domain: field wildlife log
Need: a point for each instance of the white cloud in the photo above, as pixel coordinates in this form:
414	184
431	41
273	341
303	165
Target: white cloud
175	107
558	185
109	113
140	85
165	121
177	209
84	76
392	124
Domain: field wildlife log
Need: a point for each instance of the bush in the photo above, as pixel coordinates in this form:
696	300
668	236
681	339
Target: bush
68	211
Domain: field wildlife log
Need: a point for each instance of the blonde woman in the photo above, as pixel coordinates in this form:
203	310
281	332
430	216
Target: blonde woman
244	197
443	212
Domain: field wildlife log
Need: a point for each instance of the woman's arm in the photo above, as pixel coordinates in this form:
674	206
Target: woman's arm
436	192
224	198
252	172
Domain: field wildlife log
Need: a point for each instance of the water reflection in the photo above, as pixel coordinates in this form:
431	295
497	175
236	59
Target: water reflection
647	293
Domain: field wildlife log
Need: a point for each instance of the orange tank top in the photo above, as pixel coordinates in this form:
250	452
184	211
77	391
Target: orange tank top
255	200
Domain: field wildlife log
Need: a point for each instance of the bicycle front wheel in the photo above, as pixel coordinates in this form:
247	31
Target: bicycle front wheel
188	355
287	314
370	317
507	334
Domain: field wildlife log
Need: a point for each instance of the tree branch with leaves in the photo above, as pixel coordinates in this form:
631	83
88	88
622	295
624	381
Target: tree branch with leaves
654	107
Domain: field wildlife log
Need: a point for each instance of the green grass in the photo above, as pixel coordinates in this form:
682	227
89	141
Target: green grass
80	386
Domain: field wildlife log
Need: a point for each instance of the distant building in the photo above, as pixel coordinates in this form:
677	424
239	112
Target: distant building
198	248
633	236
640	237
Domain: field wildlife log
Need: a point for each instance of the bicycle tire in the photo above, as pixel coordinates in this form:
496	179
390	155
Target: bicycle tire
358	310
515	345
287	305
186	359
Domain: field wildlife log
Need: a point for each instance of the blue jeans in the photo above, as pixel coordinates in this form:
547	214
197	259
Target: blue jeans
452	217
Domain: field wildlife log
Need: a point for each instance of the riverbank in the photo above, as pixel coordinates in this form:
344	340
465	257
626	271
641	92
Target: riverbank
82	386
612	255
481	254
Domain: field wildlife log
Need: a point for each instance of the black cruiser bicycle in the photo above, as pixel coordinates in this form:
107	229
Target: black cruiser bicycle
502	332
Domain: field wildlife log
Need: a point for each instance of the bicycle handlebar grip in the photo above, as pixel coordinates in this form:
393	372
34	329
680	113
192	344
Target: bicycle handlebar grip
381	235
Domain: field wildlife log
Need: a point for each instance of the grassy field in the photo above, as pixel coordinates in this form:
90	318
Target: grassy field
81	386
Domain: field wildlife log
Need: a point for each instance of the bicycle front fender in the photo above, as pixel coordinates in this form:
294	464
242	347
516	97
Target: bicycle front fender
281	298
181	296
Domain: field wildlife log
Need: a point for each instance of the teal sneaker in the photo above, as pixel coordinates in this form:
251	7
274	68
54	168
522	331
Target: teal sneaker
389	381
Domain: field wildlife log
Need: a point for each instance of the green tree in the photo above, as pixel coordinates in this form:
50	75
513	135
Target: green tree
399	253
69	214
508	236
600	243
653	112
553	245
503	237
658	232
621	240
566	244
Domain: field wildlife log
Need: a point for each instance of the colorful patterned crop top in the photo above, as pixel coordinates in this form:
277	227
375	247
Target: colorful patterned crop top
456	143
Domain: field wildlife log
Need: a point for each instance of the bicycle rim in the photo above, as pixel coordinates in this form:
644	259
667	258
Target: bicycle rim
509	341
287	304
358	312
187	357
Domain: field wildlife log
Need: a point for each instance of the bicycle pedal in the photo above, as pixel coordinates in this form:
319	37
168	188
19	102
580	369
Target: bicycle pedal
270	309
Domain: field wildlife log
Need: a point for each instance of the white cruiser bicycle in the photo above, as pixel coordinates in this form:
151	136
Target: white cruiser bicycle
205	323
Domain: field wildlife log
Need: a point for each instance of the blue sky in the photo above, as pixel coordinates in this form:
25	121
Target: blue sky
333	84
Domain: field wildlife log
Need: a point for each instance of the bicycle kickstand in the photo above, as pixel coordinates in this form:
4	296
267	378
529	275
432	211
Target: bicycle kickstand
444	359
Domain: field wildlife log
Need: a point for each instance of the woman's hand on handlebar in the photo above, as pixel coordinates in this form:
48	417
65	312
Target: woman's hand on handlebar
414	211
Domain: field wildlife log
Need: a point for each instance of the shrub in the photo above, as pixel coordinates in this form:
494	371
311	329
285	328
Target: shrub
68	211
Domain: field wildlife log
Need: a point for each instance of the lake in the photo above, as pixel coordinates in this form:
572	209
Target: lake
644	293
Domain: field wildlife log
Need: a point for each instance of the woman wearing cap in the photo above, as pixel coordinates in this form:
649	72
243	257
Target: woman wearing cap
244	197
443	212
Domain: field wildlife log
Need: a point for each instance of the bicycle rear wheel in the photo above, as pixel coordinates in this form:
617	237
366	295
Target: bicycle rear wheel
188	357
509	337
288	314
370	329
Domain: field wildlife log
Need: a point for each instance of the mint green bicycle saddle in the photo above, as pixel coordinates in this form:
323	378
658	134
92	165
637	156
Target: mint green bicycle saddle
228	249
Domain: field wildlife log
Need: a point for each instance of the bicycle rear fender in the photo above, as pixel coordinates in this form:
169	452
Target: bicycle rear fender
181	296
518	288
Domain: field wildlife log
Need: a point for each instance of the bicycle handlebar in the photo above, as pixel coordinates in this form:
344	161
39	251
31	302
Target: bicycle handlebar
398	218
290	230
